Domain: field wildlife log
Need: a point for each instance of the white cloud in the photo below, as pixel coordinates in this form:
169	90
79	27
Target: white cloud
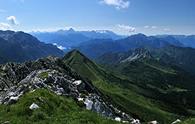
154	27
146	26
118	4
4	26
126	28
159	28
12	20
166	29
11	23
150	27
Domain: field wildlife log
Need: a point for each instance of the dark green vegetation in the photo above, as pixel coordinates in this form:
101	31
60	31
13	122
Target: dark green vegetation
160	80
123	92
179	56
53	110
146	88
20	47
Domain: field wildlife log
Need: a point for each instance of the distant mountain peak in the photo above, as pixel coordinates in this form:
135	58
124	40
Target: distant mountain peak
138	54
71	30
139	35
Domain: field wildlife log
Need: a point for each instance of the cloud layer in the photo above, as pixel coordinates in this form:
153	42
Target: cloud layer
4	26
118	4
126	28
150	27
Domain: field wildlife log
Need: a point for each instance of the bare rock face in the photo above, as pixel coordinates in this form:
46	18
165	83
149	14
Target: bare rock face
33	106
52	74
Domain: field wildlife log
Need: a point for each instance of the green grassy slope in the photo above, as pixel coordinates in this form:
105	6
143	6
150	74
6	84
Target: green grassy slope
153	72
168	84
183	57
121	92
189	121
53	110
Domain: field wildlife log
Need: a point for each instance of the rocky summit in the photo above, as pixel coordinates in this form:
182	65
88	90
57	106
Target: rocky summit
52	74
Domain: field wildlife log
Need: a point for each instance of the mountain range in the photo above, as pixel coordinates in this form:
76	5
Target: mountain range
186	40
70	38
67	39
135	79
98	47
20	47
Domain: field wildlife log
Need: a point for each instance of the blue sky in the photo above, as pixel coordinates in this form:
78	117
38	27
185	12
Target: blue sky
121	16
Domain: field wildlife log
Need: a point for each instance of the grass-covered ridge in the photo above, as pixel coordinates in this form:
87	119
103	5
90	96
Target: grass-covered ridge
120	92
53	110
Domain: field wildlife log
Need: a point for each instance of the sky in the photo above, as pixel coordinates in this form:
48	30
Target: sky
150	17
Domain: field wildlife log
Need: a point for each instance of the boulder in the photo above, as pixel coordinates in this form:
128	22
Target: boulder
33	106
117	119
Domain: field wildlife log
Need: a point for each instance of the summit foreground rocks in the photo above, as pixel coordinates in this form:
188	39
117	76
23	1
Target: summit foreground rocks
52	74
